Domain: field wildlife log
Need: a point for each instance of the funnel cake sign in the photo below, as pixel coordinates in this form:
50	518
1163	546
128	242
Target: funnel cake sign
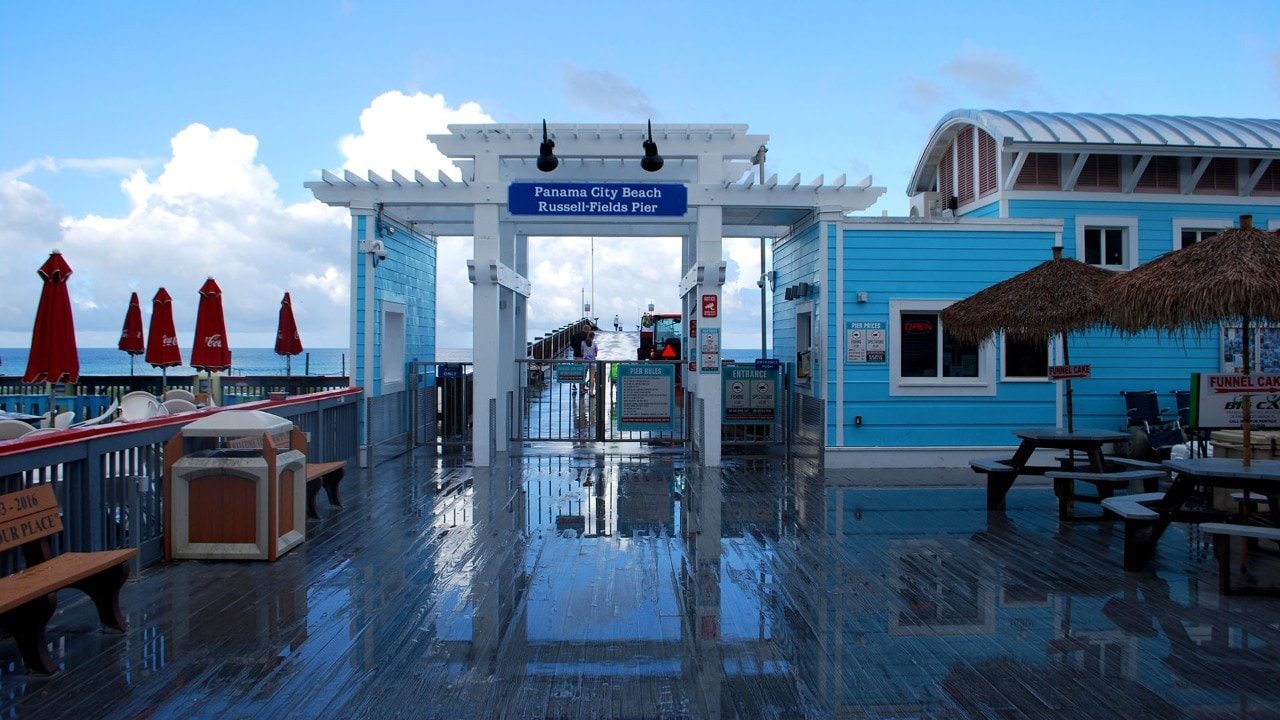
1220	398
598	199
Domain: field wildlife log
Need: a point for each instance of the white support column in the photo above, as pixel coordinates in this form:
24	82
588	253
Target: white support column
363	224
486	331
709	245
506	345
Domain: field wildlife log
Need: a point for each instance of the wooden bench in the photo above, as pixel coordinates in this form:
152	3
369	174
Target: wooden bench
1139	521
1105	485
326	475
1222	534
28	598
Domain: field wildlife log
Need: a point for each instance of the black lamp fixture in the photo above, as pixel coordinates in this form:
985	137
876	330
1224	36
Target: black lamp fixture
652	161
547	160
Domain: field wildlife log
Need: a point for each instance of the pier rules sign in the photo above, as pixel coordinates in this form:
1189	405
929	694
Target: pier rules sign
598	199
646	396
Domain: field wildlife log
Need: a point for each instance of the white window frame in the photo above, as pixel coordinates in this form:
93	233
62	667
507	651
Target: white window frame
1180	224
392	345
1273	224
984	385
1128	224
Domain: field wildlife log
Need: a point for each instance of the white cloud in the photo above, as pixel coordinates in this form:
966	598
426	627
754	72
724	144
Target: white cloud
212	211
393	134
992	75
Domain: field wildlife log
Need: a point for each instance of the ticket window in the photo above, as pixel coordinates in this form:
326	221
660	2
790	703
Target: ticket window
804	346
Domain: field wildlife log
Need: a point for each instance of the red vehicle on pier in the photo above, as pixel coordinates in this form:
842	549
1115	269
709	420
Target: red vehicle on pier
661	336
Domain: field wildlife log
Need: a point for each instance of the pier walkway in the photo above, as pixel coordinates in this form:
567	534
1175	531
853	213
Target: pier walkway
570	583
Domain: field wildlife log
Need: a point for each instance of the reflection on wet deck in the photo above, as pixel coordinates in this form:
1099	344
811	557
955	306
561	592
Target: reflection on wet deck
583	585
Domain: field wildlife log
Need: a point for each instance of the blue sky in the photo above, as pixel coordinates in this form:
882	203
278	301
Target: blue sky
156	143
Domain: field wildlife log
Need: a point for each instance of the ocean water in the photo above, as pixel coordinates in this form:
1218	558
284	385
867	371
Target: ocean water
244	361
260	361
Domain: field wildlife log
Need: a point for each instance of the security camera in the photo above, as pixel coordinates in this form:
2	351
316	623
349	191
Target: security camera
375	248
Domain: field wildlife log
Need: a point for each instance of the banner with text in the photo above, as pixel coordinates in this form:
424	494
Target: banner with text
1218	399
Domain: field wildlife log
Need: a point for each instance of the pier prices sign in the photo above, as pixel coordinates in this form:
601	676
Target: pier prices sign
1218	399
598	199
646	396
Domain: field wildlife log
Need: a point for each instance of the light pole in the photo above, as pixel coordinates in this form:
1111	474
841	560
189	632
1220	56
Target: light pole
764	276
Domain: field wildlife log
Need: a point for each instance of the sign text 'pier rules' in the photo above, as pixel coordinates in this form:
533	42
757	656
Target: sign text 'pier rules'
598	199
646	396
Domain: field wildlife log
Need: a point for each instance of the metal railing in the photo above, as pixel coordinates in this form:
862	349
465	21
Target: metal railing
441	404
545	409
109	478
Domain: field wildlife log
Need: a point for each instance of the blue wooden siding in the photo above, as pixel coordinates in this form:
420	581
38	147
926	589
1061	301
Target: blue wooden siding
924	263
407	275
794	260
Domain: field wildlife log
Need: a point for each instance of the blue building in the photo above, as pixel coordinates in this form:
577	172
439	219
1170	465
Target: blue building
857	300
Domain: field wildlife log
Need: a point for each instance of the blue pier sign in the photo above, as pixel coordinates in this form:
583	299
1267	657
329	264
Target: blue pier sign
598	199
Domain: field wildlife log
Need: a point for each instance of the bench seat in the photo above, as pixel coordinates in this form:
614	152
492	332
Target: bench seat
1222	534
29	597
991	465
1106	484
1139	523
326	475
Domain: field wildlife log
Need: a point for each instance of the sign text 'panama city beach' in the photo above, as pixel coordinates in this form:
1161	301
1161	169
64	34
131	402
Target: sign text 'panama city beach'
610	199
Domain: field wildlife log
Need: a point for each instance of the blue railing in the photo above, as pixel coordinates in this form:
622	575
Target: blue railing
109	478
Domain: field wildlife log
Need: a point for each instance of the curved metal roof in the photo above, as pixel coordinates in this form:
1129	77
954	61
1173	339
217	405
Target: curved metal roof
1171	133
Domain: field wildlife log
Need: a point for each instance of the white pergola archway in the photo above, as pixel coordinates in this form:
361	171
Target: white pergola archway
711	166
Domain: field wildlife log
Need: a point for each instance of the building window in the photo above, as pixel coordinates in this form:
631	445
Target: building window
1189	231
1104	246
930	361
1219	178
1100	172
1269	182
1026	359
1039	172
1107	242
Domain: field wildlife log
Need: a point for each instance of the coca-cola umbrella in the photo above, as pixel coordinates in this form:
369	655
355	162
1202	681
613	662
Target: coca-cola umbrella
131	339
210	351
53	357
288	343
162	338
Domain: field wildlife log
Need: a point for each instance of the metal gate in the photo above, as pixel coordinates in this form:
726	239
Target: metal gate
440	404
549	409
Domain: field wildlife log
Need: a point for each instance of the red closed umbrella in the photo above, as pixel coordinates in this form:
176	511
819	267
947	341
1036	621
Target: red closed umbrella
162	339
131	340
210	352
288	343
53	357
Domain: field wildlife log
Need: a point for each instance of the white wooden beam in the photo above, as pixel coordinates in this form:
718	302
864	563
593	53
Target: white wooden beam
1140	167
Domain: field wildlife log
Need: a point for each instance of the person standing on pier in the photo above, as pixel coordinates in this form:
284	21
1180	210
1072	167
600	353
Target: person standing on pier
617	323
589	353
577	337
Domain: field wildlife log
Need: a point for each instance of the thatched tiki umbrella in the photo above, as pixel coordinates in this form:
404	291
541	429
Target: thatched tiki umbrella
1231	277
1055	298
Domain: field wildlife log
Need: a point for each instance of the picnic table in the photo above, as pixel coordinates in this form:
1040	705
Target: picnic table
1177	504
1001	473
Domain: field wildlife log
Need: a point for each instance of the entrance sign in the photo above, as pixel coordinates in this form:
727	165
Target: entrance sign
646	396
750	395
598	199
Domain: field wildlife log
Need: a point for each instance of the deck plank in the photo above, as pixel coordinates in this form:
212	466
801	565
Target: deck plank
441	591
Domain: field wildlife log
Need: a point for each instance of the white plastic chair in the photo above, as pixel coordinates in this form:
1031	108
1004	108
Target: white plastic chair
138	405
178	405
104	417
180	394
61	421
10	429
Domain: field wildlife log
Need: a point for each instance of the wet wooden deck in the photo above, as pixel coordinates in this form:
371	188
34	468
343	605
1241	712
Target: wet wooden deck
574	584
